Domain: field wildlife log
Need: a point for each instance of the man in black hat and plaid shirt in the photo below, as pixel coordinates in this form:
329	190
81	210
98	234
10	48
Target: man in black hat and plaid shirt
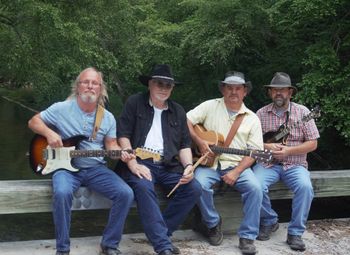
289	154
154	121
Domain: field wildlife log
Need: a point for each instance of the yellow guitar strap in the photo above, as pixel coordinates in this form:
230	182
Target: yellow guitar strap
98	119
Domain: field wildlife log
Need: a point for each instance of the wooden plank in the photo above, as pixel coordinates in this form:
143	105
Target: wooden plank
30	196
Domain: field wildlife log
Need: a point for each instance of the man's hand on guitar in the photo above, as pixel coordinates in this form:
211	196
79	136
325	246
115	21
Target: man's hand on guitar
139	170
54	140
272	146
204	148
280	151
231	177
126	156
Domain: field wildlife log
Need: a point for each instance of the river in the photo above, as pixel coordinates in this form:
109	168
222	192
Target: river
14	141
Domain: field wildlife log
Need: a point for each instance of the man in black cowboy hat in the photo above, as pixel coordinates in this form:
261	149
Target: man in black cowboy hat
154	121
290	163
222	115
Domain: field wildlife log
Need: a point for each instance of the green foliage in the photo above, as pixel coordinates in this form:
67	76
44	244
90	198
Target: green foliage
45	44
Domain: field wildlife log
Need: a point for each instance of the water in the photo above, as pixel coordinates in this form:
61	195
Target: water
14	141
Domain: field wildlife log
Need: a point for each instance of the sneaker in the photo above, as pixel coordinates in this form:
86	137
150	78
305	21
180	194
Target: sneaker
215	235
265	231
296	243
175	250
166	252
62	252
247	246
109	251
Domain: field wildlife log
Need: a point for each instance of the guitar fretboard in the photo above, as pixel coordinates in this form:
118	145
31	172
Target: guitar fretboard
218	150
96	153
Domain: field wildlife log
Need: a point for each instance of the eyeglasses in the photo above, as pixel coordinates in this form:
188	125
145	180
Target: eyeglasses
87	82
281	90
163	85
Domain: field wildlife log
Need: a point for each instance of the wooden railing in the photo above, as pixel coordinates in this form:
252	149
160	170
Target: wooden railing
31	196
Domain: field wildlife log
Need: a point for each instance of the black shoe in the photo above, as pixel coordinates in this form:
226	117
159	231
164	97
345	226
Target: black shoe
175	250
109	251
215	235
265	231
247	246
166	252
62	252
296	243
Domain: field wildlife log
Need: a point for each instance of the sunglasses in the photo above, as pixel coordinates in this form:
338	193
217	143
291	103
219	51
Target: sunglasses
163	85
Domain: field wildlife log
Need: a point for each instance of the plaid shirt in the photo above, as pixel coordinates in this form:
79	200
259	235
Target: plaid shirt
298	134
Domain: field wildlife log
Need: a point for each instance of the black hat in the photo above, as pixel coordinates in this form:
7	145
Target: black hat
281	80
159	72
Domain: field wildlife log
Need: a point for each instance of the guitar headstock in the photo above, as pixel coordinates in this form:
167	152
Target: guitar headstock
145	153
263	156
315	112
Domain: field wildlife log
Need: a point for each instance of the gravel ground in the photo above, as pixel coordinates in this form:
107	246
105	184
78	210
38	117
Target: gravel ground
323	237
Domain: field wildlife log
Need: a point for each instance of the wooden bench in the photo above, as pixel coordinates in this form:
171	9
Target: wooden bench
32	196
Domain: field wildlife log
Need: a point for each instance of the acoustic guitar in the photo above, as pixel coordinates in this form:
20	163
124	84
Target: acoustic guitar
281	135
45	160
216	141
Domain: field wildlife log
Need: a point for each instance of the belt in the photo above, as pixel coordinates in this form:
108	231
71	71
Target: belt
156	162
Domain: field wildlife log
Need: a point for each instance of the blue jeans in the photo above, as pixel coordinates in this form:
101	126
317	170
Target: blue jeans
251	194
158	227
99	179
297	179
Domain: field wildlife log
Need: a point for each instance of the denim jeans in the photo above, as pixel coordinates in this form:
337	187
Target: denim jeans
297	179
99	179
159	226
249	188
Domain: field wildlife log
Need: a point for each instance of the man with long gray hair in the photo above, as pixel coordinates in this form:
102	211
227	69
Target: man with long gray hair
74	117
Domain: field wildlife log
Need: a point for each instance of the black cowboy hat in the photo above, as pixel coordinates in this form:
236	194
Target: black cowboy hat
159	72
281	80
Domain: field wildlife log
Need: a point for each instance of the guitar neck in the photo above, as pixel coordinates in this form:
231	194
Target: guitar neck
220	150
96	153
287	129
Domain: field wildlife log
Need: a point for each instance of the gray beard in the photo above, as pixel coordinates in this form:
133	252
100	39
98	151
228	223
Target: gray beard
86	98
280	102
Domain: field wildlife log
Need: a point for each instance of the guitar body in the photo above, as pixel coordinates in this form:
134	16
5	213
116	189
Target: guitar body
279	136
44	160
212	137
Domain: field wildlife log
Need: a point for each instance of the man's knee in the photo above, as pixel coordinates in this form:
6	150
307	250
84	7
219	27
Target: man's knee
142	187
305	187
63	192
195	188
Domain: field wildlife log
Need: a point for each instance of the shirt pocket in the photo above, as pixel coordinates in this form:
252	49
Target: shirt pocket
175	133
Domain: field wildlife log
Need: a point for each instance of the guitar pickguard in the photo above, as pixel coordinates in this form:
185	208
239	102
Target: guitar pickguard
58	158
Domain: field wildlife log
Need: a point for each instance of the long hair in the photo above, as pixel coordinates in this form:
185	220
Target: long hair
103	98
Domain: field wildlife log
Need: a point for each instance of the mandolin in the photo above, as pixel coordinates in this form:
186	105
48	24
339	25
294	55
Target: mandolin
281	135
45	160
216	141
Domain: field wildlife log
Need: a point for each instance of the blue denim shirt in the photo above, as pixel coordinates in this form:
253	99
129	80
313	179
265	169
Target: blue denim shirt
135	122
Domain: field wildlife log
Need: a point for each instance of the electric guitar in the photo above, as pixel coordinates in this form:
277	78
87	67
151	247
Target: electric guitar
216	142
45	160
280	136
